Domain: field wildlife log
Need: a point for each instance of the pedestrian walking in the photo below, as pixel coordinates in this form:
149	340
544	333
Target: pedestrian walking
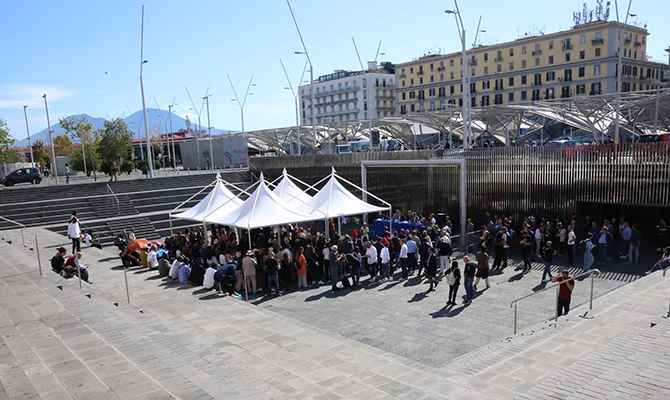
431	269
469	277
113	172
548	254
403	259
386	262
67	173
526	250
74	233
482	269
564	291
453	276
572	237
588	252
634	247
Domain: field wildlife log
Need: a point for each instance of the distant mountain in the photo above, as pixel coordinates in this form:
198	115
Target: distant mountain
156	122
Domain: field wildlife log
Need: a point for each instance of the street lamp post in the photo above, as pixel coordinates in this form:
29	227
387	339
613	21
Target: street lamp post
369	80
244	101
144	105
174	154
30	144
51	142
311	72
464	82
198	113
209	131
295	98
617	123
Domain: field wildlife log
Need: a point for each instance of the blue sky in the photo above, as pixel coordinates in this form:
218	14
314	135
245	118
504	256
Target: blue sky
85	55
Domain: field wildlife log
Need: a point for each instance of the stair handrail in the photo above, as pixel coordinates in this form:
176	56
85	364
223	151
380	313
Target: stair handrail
110	192
592	272
23	240
664	271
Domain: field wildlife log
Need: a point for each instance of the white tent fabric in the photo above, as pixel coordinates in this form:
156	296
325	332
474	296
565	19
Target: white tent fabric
220	196
288	191
263	208
335	200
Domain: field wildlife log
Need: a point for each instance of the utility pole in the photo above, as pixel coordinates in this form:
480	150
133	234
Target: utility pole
174	154
617	123
209	129
295	98
54	167
30	144
144	105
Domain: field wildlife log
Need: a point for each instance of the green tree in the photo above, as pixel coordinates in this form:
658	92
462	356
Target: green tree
40	153
63	146
5	140
82	131
13	156
115	144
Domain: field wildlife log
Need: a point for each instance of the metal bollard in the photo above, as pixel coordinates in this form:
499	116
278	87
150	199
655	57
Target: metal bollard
39	262
125	275
515	307
593	278
23	240
557	288
78	273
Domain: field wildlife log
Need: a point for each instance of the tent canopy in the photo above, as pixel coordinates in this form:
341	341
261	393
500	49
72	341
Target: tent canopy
218	197
288	191
262	208
335	200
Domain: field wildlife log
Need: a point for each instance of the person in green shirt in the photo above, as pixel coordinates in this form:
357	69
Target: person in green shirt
365	232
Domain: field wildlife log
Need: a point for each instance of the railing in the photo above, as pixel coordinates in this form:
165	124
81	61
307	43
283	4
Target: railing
597	41
111	193
664	271
23	240
593	273
537	52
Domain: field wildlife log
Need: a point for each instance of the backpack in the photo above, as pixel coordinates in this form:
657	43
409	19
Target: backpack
451	277
68	272
57	264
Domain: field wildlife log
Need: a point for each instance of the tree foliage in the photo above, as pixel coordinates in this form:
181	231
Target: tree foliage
115	144
13	156
63	146
40	153
81	130
5	140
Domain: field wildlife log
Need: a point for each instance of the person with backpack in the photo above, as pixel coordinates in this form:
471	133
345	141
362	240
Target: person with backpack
73	267
355	261
58	261
444	251
453	276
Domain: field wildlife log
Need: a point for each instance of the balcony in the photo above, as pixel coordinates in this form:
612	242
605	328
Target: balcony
567	46
402	76
537	52
597	41
627	40
440	68
498	88
498	59
637	44
419	72
473	62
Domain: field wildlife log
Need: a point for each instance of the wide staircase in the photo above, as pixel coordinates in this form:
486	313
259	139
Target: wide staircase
177	341
107	207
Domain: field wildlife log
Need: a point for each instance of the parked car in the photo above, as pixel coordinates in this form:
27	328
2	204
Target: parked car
564	143
660	137
22	175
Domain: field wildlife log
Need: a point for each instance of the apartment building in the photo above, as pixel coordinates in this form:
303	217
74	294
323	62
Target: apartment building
343	95
581	61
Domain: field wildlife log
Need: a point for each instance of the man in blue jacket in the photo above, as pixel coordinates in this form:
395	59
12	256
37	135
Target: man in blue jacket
603	241
226	276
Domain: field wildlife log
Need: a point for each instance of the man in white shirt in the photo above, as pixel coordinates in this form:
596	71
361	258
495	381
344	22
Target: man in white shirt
386	262
208	281
152	260
74	233
403	258
174	269
371	255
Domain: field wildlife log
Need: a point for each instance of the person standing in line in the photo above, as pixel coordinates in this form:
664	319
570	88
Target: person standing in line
249	264
526	250
453	276
662	232
355	261
538	240
604	239
484	240
445	252
571	244
431	269
588	252
469	277
272	268
334	259
402	256
371	256
423	253
301	266
482	269
564	291
562	238
365	232
507	237
548	254
499	250
411	254
74	233
385	256
624	245
635	242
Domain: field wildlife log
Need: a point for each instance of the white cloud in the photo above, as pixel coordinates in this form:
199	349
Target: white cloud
30	94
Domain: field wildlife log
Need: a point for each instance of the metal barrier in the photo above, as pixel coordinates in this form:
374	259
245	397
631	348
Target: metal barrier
664	271
593	273
23	240
110	192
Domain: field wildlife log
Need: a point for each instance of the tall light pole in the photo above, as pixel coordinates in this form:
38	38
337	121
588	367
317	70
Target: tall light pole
244	101
30	144
464	81
144	105
209	132
311	72
167	136
295	98
658	84
369	80
51	142
198	113
617	123
174	154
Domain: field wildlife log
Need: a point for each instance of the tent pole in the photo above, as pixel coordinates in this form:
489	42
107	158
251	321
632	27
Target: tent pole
390	221
339	226
171	232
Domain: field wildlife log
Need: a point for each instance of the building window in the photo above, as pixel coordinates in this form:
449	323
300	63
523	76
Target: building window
403	95
582	72
511	52
510	97
635	56
451	63
524	95
486	57
596	70
523	79
582	39
421	80
511	81
452	88
403	83
412	95
411	70
511	66
567	75
551	60
431	67
441	92
472	72
523	49
499	67
441	77
486	71
432	106
486	85
421	107
412	108
411	82
582	54
567	57
537	61
551	75
551	45
599	35
523	64
538	79
452	75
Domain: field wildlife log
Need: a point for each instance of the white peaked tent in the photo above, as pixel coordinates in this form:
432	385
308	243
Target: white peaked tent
262	208
335	200
288	191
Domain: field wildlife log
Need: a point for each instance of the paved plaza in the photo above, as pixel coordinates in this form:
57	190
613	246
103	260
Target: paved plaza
385	341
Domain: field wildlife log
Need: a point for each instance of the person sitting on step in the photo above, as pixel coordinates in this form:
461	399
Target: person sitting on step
58	261
75	262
